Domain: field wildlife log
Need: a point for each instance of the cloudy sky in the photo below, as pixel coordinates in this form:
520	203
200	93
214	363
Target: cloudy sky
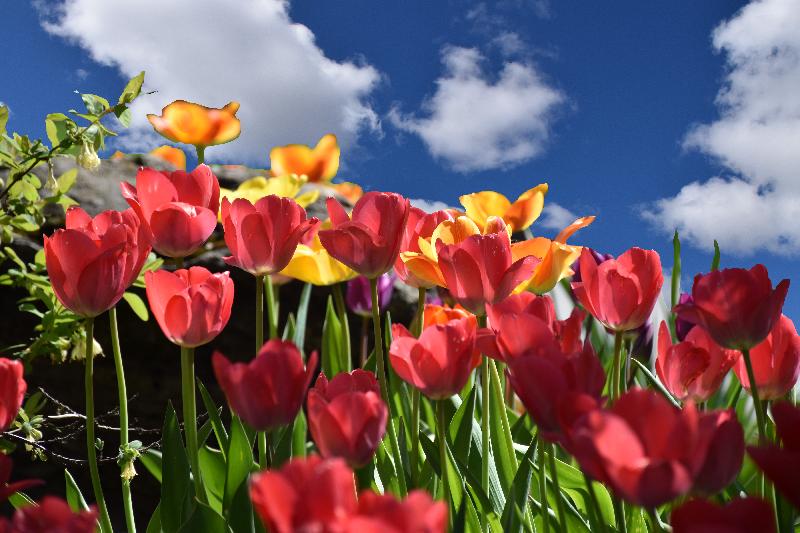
654	117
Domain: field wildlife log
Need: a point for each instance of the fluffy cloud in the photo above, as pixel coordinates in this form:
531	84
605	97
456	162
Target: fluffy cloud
555	217
473	122
429	206
757	136
212	52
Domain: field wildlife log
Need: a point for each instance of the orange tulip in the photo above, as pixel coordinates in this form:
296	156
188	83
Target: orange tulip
190	123
318	164
172	155
518	215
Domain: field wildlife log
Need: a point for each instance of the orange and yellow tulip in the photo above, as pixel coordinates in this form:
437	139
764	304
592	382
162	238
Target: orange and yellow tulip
318	164
198	125
287	186
518	215
313	264
172	155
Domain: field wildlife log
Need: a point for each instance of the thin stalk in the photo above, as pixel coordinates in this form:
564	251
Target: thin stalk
364	339
415	394
259	313
562	515
656	523
440	436
272	315
619	514
127	501
759	407
341	310
485	393
497	395
263	451
201	154
190	419
543	487
615	372
91	450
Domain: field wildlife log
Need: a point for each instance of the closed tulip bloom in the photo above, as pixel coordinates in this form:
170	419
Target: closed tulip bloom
719	451
306	494
94	260
12	391
267	392
263	237
52	515
178	208
692	369
741	515
198	125
598	258
384	513
318	164
519	215
192	306
782	463
369	241
442	314
440	361
359	294
621	292
420	227
776	361
737	307
174	156
347	417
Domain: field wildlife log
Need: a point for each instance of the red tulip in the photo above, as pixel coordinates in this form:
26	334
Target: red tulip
742	515
650	452
776	361
383	513
695	367
12	391
737	307
53	515
621	292
268	391
306	494
347	417
94	260
479	270
369	241
191	306
440	361
6	488
179	208
781	464
262	238
420	225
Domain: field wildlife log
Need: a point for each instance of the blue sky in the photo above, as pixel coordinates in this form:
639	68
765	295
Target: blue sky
652	116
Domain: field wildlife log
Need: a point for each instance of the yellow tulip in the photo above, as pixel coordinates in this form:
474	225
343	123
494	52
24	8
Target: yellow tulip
313	264
287	186
518	215
172	155
198	125
318	164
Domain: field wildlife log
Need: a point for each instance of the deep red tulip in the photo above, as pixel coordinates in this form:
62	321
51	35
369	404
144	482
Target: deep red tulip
383	513
440	361
695	367
191	306
94	260
420	225
737	307
556	388
53	515
178	208
621	292
479	270
347	417
262	238
268	391
12	391
781	464
776	361
306	494
369	241
7	488
649	452
742	515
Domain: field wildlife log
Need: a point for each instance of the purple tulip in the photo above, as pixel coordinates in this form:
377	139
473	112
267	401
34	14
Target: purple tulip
359	297
682	327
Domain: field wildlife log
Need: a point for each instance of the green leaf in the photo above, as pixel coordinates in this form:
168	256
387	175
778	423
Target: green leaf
204	520
176	485
137	305
514	511
124	116
502	448
216	421
95	104
3	118
676	269
154	525
241	517
212	464
299	432
132	89
20	499
240	461
715	260
67	180
334	353
75	499
656	383
151	459
302	315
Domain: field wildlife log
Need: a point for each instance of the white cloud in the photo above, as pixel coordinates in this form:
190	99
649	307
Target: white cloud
473	122
757	136
555	217
429	206
211	52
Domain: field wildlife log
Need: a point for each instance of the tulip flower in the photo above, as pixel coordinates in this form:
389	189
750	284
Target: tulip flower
179	209
420	228
347	417
350	191
359	295
442	314
598	258
94	260
518	215
369	241
622	292
306	494
683	327
198	125
170	154
263	237
381	513
286	186
440	361
191	306
268	391
737	307
12	391
8	488
781	464
312	263
318	164
741	515
776	361
52	515
692	369
649	452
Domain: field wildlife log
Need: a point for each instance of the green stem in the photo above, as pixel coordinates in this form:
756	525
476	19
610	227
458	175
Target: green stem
272	315
497	397
619	514
562	515
654	521
259	313
341	310
543	487
201	154
190	419
415	394
759	407
485	393
91	450
263	451
127	501
441	429
615	371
